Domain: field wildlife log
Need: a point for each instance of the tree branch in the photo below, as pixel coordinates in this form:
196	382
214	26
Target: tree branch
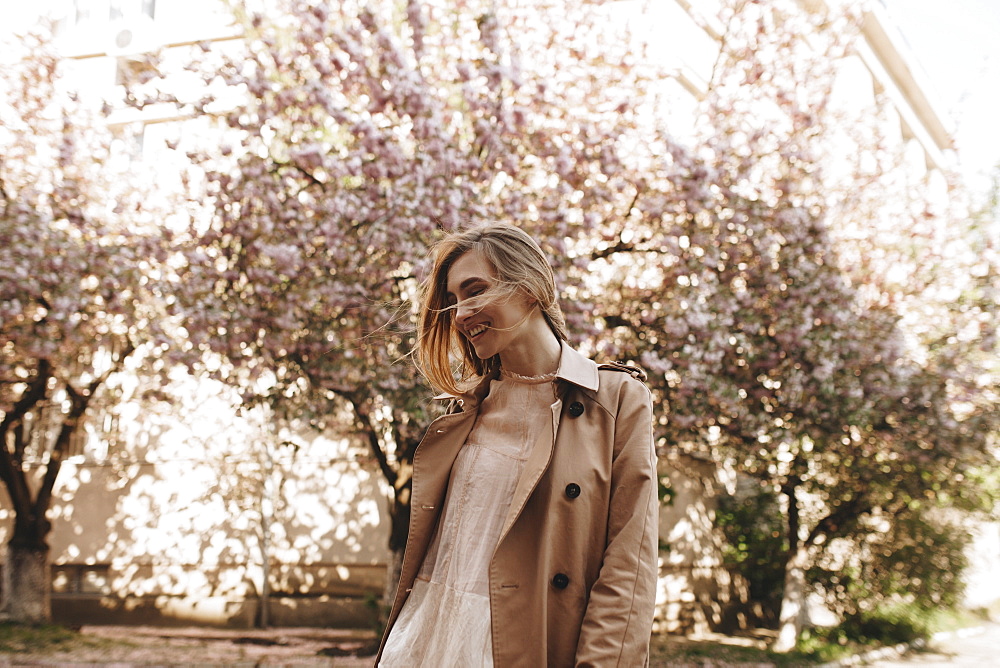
10	471
78	405
846	512
79	401
622	247
367	427
302	170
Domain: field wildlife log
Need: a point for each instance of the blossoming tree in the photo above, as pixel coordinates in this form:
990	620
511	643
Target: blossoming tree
791	268
371	129
78	295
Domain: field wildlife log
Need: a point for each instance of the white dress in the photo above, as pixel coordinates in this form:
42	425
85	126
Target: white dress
446	619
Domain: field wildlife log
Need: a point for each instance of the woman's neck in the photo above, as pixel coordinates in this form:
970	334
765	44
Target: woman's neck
535	352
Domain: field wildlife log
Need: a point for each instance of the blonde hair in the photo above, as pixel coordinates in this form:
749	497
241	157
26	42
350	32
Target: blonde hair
519	265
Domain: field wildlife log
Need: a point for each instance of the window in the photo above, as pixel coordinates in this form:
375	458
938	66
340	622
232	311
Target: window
81	579
106	11
123	9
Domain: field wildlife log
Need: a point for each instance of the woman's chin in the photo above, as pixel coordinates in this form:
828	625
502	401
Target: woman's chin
484	352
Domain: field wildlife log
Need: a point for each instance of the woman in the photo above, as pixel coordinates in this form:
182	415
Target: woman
533	528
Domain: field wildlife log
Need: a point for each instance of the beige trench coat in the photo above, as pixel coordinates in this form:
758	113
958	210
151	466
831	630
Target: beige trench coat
573	579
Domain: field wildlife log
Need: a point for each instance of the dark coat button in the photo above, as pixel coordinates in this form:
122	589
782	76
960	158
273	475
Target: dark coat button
560	581
576	409
572	490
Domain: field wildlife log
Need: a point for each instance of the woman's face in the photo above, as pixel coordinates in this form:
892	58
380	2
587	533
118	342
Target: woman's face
491	327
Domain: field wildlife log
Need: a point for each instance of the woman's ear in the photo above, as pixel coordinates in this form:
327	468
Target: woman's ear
519	296
528	298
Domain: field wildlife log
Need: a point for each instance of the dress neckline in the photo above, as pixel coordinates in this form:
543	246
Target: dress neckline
532	380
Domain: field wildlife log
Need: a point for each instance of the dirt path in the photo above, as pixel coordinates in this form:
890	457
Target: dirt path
126	646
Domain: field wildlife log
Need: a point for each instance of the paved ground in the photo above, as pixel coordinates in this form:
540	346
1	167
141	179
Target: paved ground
972	647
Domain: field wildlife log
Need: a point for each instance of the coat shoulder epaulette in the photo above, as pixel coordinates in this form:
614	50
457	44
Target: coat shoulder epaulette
634	371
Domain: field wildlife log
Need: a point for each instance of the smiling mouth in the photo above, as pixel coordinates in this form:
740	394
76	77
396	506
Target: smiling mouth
477	330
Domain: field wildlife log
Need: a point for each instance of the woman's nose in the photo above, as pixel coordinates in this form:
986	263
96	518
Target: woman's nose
462	312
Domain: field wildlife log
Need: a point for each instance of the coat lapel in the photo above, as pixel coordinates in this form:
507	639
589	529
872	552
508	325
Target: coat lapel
574	369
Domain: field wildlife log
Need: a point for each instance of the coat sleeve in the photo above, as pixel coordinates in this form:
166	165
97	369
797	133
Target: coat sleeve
619	616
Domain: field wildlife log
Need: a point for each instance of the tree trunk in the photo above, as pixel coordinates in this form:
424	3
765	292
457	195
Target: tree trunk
26	584
392	578
399	526
268	501
399	518
793	601
793	598
264	613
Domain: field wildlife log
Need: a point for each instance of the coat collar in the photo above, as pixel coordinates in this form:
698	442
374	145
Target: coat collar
573	368
577	369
